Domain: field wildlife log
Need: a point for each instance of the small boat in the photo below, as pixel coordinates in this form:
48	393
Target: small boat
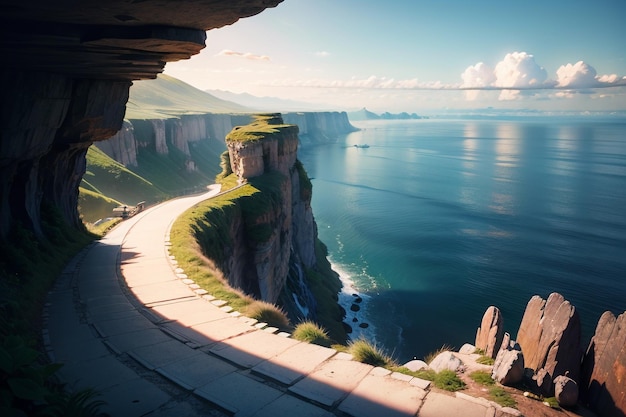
362	146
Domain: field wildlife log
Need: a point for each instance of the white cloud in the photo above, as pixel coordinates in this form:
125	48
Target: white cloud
322	54
479	75
579	75
519	70
246	55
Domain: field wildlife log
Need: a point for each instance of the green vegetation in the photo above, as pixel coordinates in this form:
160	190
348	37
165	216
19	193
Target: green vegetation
500	396
310	332
497	393
448	380
28	268
167	97
94	206
485	360
482	377
364	351
268	313
552	403
264	126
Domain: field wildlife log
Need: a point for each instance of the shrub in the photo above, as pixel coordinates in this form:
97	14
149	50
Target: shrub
448	380
365	352
268	313
482	377
310	332
500	396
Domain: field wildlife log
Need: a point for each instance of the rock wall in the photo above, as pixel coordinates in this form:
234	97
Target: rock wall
65	85
48	122
314	128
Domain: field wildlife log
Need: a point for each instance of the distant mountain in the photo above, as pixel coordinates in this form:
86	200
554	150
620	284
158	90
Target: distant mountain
365	114
267	104
167	96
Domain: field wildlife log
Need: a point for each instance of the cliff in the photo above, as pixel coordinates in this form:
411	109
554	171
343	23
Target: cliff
186	133
66	81
264	236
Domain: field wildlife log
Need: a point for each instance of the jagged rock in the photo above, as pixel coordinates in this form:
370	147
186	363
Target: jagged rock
508	367
549	336
355	307
467	349
604	367
446	360
489	334
416	365
565	391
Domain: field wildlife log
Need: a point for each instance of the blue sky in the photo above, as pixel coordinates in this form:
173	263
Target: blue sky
422	55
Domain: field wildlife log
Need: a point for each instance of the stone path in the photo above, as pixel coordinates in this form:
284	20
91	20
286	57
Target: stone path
125	320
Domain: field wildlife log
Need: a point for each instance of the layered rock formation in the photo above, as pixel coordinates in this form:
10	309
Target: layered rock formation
490	334
549	348
266	242
182	132
549	336
65	85
604	367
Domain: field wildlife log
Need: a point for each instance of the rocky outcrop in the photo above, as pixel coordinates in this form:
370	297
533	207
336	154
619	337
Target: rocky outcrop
549	336
508	367
65	85
604	367
491	332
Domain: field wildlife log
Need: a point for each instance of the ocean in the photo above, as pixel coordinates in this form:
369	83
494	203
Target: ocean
438	219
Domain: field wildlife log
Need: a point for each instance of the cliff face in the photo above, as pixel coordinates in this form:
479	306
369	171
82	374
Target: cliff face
65	85
181	133
271	230
288	220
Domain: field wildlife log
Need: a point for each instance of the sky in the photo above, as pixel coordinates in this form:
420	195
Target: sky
423	55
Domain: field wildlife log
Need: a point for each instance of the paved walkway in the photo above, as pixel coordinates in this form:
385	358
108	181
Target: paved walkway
126	321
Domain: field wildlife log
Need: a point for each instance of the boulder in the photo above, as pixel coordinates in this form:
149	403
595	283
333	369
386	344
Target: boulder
604	367
565	391
508	368
549	336
415	365
467	349
447	360
490	333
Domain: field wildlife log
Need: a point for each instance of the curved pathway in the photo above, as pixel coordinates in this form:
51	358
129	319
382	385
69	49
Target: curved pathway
126	321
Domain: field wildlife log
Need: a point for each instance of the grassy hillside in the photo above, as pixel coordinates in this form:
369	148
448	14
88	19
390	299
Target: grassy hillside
107	183
167	96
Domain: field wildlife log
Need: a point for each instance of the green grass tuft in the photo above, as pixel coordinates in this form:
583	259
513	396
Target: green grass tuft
485	360
448	380
500	396
268	313
310	332
365	352
482	377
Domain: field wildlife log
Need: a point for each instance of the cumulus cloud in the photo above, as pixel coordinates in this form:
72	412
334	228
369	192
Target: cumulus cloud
579	75
246	55
519	70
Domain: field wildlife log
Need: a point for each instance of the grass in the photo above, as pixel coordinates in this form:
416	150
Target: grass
448	380
311	332
264	126
366	352
496	393
28	268
500	396
268	313
482	377
485	360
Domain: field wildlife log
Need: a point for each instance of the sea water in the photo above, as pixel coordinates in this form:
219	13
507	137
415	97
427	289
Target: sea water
440	218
